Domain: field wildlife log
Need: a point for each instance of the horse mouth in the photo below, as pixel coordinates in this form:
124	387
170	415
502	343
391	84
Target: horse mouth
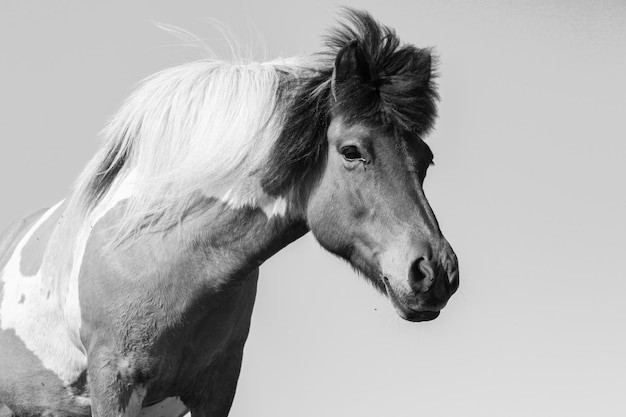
406	312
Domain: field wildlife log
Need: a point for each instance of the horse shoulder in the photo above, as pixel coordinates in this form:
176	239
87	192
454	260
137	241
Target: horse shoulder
142	309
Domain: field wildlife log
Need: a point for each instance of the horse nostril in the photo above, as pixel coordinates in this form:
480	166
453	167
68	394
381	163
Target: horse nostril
417	273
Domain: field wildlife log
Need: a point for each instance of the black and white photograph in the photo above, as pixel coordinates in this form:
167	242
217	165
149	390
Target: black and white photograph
296	208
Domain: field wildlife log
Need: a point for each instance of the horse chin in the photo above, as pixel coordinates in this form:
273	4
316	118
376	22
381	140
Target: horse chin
416	316
405	311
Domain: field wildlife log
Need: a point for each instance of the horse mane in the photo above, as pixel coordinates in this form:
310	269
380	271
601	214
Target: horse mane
246	133
197	130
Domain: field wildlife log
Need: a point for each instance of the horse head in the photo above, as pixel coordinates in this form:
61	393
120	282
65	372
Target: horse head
368	204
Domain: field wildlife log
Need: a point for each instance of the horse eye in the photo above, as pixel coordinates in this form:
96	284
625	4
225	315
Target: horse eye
351	153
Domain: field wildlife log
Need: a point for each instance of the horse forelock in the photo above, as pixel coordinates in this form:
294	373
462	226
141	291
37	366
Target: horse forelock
400	90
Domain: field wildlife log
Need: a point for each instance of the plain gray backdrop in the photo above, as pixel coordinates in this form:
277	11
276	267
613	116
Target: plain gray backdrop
528	186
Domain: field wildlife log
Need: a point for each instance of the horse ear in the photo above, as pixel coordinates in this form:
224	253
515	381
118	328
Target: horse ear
350	62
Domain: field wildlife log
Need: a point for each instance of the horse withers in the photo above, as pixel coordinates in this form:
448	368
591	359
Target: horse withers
134	295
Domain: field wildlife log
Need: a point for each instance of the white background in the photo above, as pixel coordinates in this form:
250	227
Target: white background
528	186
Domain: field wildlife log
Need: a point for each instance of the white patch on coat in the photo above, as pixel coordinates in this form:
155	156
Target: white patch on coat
38	320
250	194
81	400
48	322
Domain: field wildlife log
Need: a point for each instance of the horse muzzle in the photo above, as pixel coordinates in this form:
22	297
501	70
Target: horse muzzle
430	286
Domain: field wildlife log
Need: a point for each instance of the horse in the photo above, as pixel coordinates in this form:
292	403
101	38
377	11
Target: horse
133	296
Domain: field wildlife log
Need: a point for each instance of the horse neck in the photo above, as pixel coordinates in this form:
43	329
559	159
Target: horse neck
237	241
